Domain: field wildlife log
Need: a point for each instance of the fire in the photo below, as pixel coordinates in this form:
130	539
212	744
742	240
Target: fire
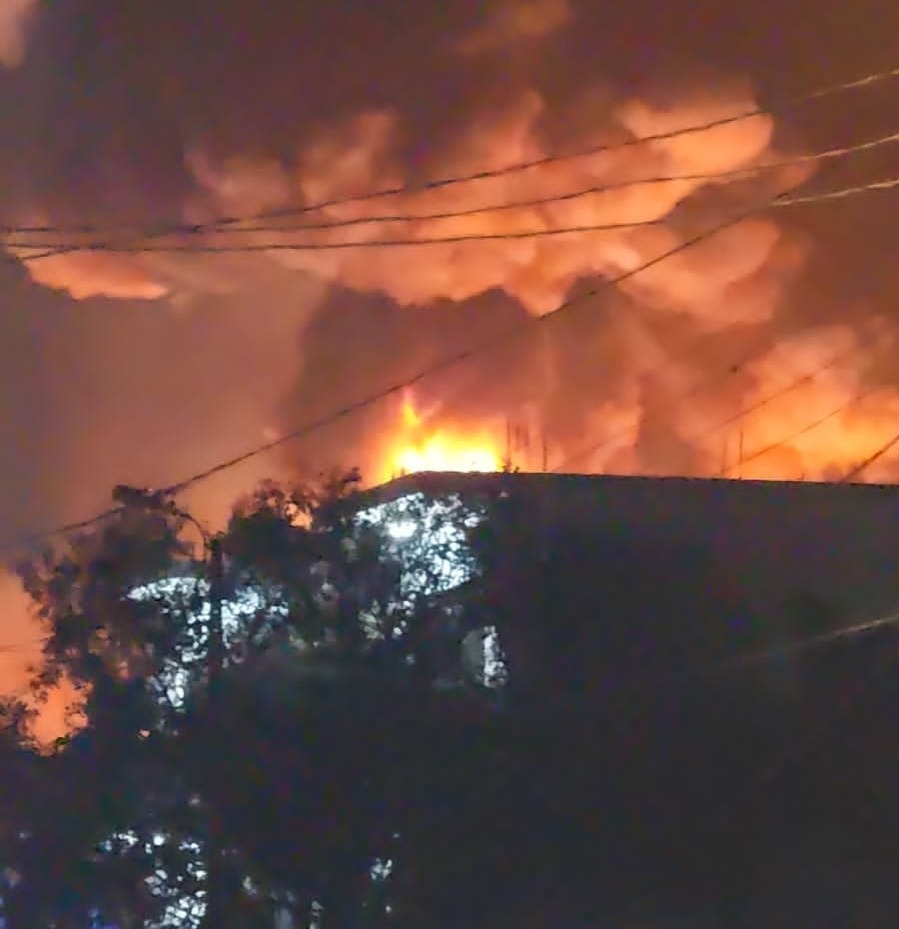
417	448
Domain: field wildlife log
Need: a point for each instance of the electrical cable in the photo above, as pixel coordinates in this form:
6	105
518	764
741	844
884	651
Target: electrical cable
197	247
194	247
349	409
444	364
460	357
863	82
781	443
849	701
860	468
29	539
855	631
705	384
842	193
808	427
238	226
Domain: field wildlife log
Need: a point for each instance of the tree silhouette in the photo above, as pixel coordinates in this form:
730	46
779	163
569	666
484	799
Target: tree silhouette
304	784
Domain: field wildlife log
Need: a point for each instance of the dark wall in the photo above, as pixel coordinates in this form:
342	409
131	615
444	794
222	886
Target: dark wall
665	574
646	574
646	780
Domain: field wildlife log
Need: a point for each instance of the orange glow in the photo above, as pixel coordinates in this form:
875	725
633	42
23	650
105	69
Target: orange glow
416	448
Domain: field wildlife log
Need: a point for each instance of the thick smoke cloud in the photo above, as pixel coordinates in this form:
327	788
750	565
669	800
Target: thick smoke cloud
539	272
364	151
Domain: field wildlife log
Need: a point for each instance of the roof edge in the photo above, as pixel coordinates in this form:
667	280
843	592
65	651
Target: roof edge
437	483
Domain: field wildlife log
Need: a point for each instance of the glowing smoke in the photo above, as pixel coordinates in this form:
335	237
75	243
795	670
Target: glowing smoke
14	17
359	156
363	152
515	21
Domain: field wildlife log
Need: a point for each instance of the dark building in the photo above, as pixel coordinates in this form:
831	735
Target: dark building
707	670
714	565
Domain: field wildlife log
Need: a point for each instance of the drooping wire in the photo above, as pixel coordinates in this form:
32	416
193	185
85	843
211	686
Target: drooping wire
448	362
204	248
862	82
242	226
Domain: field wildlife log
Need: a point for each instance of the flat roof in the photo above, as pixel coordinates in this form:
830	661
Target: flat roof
709	553
437	483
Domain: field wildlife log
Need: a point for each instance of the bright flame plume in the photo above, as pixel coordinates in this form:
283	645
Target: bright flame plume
416	448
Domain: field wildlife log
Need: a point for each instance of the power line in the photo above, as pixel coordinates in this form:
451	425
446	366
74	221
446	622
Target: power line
733	174
789	103
332	246
859	469
865	81
444	364
842	193
450	362
858	83
240	227
460	357
852	632
194	247
786	389
33	538
808	427
857	630
705	384
781	443
672	359
848	702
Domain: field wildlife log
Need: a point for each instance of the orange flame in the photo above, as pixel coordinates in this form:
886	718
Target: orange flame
415	448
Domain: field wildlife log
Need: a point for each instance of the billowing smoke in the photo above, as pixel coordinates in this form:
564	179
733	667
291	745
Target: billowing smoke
361	155
14	17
